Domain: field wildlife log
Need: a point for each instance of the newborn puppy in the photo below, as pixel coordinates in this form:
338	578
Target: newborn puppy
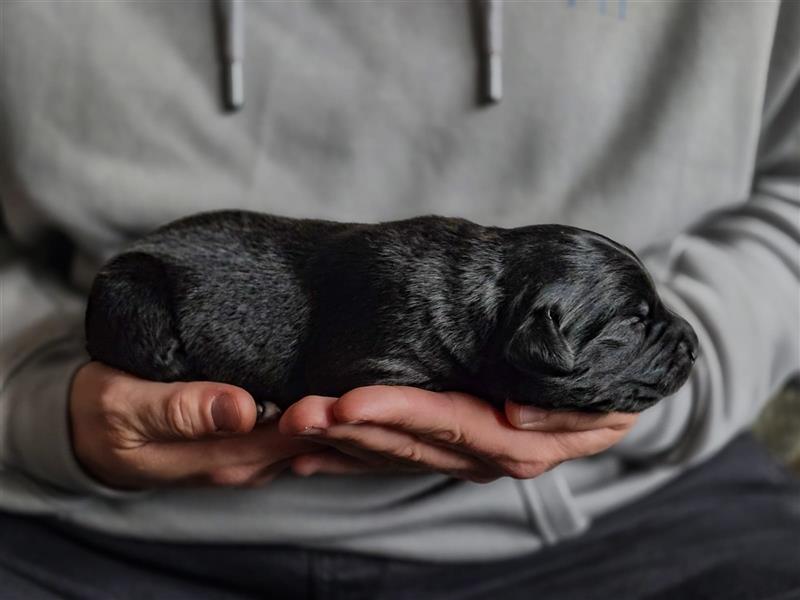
548	315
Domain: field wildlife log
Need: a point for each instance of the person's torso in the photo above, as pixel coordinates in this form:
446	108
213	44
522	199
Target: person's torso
630	119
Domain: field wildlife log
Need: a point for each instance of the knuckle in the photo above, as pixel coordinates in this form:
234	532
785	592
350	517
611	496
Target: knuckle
114	428
452	435
109	413
119	437
178	414
411	452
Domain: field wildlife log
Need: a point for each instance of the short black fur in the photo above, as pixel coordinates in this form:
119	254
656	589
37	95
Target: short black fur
548	315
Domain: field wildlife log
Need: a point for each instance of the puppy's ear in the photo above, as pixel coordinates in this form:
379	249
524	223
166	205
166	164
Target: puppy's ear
538	345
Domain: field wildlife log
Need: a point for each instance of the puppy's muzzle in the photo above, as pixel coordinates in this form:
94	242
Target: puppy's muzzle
681	349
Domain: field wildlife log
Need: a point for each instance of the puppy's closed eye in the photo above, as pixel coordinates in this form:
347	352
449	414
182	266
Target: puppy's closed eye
638	321
622	332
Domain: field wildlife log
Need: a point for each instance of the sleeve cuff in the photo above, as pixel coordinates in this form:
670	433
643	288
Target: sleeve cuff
39	442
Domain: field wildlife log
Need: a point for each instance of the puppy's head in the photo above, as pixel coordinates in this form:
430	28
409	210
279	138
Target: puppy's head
586	328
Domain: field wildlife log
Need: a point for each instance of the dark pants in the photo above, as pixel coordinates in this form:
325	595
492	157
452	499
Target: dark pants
728	529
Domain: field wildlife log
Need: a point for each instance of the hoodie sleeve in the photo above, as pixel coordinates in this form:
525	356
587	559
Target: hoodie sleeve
41	347
736	278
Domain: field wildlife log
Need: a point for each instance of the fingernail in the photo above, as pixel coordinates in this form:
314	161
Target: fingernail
311	431
529	415
225	413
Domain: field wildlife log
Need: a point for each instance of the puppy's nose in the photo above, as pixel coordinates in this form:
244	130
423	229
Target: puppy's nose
689	342
689	348
688	338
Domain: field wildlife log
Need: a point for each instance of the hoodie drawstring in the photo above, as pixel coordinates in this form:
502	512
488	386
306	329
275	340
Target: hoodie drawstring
491	16
230	28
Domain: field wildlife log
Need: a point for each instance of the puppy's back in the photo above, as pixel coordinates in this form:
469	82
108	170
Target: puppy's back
218	296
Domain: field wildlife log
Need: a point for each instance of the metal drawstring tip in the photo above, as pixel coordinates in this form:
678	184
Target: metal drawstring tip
230	17
492	50
494	79
234	85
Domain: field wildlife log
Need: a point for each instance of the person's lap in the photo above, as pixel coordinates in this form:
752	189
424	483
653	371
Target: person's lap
727	529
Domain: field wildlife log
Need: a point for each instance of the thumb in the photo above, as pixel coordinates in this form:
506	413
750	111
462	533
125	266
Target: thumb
190	411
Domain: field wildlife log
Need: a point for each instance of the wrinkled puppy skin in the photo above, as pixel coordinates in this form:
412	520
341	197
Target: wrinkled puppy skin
547	315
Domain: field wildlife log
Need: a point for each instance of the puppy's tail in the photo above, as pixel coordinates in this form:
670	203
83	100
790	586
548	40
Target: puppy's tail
130	323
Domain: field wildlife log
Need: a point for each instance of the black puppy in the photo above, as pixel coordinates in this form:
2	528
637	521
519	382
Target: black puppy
548	315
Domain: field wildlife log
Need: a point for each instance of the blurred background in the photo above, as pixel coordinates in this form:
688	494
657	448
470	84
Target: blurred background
779	425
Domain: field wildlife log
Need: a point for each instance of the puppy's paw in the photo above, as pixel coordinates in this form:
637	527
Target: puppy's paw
266	411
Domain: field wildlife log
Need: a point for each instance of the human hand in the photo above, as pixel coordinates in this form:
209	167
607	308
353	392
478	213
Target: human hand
132	433
388	427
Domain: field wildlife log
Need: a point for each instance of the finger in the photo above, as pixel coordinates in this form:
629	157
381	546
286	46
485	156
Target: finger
400	447
468	424
267	474
240	476
333	462
451	418
532	417
233	459
189	411
372	459
315	416
307	414
576	444
373	462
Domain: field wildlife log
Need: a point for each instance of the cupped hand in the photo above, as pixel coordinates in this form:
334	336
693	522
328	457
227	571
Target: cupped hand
133	433
393	427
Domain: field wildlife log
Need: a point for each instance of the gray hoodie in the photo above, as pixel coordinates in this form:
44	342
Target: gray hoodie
673	127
